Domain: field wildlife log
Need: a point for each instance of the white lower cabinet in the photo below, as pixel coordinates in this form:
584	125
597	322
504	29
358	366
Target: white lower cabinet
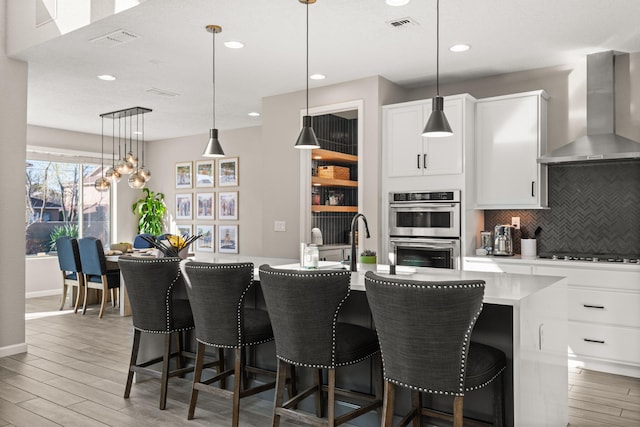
603	310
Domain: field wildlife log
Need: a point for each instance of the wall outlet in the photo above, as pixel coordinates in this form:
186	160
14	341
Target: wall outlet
279	226
515	221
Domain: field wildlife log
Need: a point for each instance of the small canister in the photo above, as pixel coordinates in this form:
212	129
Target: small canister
486	241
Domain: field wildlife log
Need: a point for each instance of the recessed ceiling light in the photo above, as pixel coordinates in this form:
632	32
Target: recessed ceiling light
234	44
397	2
106	77
459	48
317	77
254	114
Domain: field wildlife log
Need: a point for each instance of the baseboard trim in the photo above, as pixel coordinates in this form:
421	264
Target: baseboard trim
46	293
10	350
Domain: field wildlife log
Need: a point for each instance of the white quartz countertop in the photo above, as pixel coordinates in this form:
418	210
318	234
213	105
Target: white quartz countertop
501	288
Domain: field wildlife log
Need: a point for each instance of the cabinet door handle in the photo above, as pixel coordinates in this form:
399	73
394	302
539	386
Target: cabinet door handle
601	307
593	341
418	160
424	161
533	189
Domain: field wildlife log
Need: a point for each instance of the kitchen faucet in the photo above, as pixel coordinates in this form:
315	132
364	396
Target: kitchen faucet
354	222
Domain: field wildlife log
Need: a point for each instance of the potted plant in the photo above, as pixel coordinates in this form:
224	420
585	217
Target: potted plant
368	257
151	210
68	229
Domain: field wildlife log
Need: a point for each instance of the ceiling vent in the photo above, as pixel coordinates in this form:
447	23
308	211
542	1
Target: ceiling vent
161	92
115	38
405	22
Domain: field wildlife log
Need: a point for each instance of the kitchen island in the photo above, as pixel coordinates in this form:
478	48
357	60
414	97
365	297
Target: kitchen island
523	315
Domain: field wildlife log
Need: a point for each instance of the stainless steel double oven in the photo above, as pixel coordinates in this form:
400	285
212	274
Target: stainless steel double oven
424	228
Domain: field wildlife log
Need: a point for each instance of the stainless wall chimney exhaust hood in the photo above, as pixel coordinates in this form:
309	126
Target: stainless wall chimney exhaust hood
601	141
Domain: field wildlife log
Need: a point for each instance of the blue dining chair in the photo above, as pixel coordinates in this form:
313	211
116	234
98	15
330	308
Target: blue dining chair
140	243
96	274
71	267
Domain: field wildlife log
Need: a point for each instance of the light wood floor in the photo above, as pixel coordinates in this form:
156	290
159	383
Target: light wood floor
75	371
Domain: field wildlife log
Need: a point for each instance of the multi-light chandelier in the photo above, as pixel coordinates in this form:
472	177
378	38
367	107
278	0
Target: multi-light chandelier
130	161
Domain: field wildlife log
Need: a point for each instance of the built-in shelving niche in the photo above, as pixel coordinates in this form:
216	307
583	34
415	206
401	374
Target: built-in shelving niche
336	132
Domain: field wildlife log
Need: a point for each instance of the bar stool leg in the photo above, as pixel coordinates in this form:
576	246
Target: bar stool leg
197	375
164	380
133	362
281	379
331	398
458	411
416	401
387	404
238	378
317	380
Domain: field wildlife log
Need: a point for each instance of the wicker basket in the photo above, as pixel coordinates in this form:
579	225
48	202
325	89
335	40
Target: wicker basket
333	172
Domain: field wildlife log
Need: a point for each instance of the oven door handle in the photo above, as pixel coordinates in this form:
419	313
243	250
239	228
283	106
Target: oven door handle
419	243
432	206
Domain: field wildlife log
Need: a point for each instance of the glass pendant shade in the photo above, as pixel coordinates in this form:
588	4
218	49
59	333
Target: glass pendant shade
213	149
102	184
307	138
145	173
437	125
136	180
112	175
123	167
132	159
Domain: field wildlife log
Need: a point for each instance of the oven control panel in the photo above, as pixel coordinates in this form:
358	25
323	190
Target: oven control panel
427	196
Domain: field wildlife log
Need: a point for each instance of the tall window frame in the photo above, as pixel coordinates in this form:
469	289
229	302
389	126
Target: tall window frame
93	212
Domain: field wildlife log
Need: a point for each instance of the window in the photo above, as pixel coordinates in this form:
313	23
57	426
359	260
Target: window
61	200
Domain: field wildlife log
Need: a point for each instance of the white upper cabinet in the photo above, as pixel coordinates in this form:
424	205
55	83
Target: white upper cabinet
411	154
511	133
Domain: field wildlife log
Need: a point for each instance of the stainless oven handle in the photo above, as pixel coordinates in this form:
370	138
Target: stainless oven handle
433	206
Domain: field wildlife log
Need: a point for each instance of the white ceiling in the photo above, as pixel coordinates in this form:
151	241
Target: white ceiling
349	39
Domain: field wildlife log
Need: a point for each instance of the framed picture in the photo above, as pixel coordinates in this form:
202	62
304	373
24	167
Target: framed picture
228	239
204	205
183	206
204	173
228	172
184	229
228	205
206	243
183	175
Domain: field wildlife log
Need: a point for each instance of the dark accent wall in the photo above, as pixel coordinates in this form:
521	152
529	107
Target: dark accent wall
339	134
594	208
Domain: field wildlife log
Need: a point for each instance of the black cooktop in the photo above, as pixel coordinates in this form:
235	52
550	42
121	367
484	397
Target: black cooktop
592	257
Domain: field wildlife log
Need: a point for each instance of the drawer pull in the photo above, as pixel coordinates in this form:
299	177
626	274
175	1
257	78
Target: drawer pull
593	341
600	307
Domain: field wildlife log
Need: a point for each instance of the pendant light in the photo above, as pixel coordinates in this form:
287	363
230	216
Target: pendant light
112	174
437	125
143	170
213	149
307	138
139	173
102	183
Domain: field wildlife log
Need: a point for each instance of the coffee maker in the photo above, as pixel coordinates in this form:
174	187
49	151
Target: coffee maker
503	240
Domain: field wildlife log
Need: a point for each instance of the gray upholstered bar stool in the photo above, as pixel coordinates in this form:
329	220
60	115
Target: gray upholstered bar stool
152	285
218	295
304	307
424	330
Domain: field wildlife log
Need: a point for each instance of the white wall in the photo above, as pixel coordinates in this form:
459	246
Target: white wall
13	119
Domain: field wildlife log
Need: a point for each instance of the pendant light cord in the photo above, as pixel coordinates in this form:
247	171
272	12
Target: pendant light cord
307	75
213	67
437	47
102	149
